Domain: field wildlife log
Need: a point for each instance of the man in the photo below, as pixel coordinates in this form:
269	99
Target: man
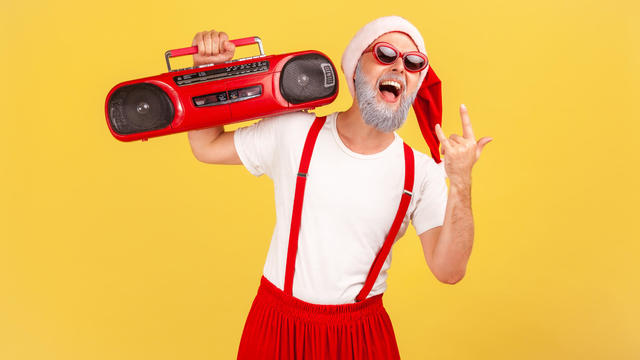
337	211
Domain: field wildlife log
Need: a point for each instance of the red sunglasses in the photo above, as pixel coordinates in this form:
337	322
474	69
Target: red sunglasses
386	54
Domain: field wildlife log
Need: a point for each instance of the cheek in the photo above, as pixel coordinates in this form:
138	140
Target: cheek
412	83
371	69
371	75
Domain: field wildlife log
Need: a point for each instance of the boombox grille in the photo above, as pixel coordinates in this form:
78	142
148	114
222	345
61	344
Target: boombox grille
307	78
139	107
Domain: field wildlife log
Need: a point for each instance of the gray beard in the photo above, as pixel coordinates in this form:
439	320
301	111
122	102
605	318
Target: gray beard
377	114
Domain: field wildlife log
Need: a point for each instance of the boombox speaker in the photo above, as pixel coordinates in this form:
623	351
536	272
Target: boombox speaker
213	95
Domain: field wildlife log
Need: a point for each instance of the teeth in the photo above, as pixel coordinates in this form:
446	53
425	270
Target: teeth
392	83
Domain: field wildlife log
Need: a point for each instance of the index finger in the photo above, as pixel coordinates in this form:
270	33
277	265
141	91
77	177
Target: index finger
198	40
226	46
467	131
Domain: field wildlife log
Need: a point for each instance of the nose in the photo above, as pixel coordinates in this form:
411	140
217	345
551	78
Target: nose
398	65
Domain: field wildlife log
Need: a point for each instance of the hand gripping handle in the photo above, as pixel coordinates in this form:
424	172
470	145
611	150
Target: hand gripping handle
194	49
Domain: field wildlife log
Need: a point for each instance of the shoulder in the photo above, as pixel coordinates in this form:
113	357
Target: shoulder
423	160
427	170
277	126
292	119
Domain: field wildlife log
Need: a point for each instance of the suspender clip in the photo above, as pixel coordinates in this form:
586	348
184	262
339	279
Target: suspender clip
301	174
407	192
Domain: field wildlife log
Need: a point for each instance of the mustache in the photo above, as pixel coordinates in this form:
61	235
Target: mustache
392	76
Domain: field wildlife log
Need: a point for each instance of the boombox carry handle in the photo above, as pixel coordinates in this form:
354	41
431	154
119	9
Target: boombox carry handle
194	50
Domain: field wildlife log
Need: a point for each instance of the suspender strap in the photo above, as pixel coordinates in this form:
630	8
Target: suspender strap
301	181
395	227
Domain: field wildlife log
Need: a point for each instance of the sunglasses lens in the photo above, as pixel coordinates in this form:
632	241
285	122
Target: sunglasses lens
386	54
414	62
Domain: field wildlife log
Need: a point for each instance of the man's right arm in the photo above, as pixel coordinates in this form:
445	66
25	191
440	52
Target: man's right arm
213	145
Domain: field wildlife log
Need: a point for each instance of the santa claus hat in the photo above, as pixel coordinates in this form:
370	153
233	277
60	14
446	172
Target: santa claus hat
428	102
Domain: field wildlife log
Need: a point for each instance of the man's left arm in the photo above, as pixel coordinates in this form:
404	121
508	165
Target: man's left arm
447	248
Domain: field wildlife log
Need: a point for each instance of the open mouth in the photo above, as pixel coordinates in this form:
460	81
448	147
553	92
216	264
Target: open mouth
390	90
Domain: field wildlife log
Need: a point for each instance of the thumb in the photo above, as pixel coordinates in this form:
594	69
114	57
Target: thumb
482	142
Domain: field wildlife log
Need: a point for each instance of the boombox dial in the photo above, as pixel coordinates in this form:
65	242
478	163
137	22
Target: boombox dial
222	73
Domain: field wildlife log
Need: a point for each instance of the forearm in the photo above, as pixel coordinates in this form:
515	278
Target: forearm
453	248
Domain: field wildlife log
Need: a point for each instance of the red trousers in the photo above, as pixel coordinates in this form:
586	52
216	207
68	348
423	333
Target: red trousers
280	326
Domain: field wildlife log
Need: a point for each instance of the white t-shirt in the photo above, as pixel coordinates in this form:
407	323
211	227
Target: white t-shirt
349	205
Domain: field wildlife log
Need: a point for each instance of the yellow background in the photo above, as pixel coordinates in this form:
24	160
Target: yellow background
114	250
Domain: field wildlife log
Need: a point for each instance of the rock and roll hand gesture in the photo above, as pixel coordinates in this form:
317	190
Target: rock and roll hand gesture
461	152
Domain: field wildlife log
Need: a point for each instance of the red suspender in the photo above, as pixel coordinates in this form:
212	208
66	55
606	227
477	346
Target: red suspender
395	227
301	181
297	212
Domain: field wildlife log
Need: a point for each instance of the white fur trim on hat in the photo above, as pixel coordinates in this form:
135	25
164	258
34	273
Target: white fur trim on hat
365	36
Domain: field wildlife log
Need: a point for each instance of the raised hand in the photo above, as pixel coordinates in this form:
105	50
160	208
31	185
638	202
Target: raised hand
461	152
213	48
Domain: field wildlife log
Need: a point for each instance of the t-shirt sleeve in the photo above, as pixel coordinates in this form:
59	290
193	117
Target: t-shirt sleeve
256	145
431	202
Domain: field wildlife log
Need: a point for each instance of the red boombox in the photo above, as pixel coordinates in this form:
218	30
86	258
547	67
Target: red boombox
212	95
